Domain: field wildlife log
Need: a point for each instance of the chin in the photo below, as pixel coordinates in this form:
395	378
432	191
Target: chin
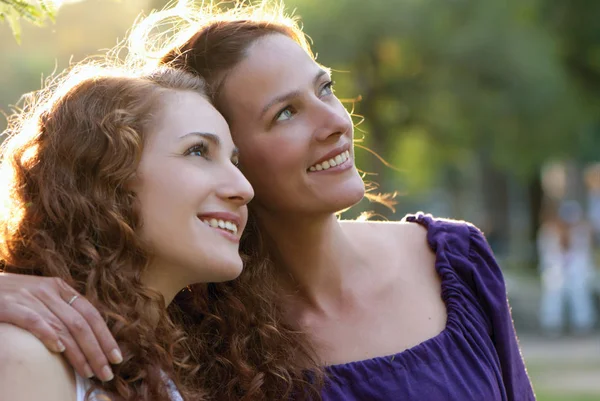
229	270
225	267
349	195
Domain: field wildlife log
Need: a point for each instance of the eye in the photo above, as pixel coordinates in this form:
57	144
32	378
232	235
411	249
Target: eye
285	114
199	149
327	89
235	160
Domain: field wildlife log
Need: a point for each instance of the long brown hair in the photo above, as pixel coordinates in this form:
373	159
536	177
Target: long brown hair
68	212
251	352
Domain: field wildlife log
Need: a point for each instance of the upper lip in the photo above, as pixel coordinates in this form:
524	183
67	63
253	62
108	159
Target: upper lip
333	153
226	216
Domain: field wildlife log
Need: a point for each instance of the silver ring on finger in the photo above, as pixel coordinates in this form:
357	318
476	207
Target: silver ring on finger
72	299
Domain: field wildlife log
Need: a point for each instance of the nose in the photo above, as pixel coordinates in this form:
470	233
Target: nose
235	187
332	121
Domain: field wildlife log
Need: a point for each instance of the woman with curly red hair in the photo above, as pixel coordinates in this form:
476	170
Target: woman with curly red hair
125	187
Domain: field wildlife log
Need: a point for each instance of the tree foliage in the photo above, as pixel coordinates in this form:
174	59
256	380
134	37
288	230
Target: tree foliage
452	78
37	13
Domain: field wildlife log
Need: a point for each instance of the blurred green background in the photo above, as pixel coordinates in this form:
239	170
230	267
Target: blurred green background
483	108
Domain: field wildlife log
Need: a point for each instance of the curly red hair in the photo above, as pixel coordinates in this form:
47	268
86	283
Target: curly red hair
69	213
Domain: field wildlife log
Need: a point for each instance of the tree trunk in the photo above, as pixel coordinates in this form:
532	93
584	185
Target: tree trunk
536	197
495	204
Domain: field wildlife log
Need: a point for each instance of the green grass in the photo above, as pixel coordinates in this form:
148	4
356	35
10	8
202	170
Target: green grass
553	396
546	391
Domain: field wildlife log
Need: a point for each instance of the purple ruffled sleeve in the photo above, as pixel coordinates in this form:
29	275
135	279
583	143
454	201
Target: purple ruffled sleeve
489	287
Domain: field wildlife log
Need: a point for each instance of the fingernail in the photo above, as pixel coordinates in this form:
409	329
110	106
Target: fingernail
115	356
87	371
60	347
107	374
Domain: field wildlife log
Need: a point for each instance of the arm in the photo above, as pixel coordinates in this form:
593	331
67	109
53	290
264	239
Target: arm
40	306
29	372
491	291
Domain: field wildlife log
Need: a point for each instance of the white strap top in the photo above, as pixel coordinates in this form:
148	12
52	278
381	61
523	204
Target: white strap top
83	385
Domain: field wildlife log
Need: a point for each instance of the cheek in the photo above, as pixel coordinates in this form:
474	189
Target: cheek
155	204
272	161
284	149
166	196
156	188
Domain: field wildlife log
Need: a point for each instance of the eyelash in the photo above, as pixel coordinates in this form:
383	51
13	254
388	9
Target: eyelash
328	84
199	147
204	150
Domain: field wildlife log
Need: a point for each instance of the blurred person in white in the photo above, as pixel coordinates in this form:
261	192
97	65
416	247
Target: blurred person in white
592	183
567	269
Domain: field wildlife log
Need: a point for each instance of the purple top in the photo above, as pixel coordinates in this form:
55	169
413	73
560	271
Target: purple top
475	357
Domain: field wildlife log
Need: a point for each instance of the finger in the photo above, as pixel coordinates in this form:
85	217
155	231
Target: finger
69	347
37	320
75	356
84	340
32	322
100	329
79	333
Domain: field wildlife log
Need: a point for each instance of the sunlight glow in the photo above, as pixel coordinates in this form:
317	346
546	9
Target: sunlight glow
56	4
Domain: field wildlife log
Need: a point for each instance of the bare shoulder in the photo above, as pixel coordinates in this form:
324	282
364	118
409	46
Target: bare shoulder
19	345
394	233
394	239
406	271
24	360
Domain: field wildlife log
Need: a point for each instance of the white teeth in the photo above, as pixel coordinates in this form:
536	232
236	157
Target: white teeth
222	224
337	160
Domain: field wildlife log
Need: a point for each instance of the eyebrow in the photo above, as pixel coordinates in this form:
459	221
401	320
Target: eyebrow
214	139
290	95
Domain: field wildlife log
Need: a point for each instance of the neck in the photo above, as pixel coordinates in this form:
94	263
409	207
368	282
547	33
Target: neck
162	280
315	259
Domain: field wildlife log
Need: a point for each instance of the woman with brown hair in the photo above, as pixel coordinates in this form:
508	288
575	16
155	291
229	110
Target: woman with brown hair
125	187
411	310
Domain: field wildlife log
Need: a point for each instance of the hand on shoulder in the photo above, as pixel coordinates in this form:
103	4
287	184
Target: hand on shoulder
29	372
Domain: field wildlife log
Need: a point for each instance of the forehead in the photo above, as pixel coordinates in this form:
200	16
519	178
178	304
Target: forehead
274	64
182	112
